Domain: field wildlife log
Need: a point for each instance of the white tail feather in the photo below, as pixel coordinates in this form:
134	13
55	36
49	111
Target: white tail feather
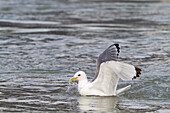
123	89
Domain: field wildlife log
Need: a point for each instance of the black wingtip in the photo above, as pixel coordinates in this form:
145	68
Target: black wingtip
138	72
118	48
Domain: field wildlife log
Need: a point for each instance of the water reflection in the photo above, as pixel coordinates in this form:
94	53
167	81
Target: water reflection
103	104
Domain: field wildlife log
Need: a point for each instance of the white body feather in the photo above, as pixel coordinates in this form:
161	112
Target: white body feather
106	82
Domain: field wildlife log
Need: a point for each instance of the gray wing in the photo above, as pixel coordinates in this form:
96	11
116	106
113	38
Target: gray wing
111	53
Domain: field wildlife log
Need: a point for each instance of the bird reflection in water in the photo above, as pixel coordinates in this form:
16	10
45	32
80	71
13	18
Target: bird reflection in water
102	104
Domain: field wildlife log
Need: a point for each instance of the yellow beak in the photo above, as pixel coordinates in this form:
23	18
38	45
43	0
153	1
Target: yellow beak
73	78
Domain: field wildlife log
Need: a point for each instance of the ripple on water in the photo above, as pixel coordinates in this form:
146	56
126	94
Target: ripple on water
42	46
36	93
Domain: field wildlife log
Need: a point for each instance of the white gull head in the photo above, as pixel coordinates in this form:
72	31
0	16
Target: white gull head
80	76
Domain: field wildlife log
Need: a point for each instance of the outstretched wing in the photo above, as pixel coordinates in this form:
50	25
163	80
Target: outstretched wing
110	54
109	74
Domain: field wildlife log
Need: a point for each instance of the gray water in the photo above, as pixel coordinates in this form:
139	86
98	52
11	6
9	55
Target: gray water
44	42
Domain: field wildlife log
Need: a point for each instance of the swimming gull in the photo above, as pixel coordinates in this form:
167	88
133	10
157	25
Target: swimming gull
108	72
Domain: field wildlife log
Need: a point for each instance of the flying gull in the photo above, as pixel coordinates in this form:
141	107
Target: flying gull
108	72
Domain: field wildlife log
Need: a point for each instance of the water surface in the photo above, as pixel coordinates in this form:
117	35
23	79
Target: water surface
43	43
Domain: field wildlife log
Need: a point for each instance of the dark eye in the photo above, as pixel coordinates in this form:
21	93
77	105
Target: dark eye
79	75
